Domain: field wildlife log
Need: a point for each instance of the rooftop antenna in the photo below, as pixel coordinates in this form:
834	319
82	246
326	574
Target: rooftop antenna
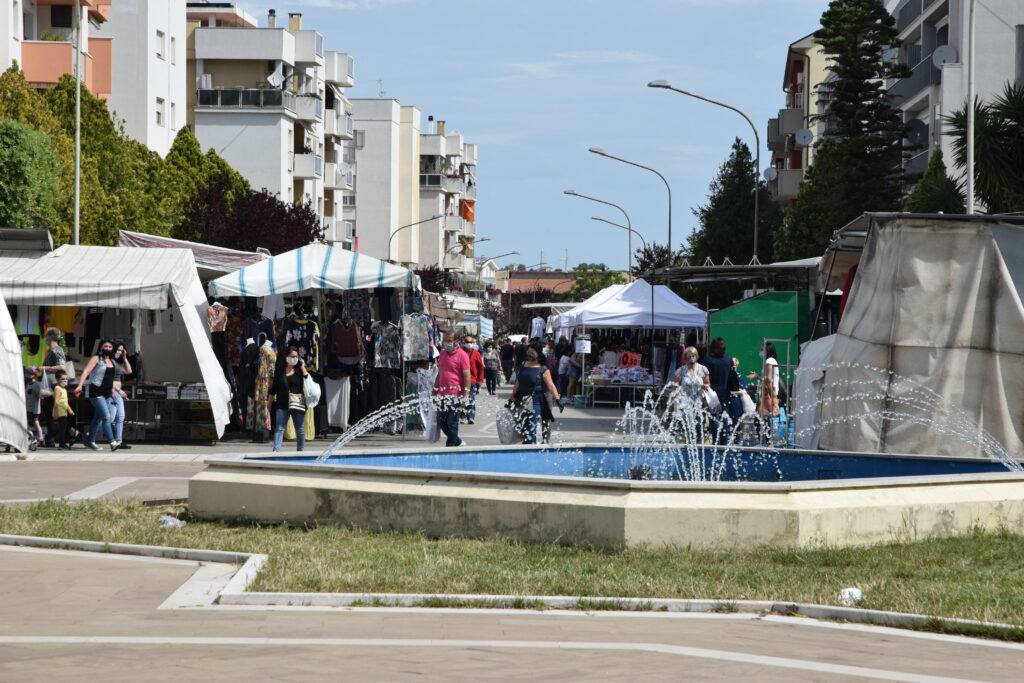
381	92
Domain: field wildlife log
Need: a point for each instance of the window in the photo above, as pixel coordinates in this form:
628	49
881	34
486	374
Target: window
174	50
161	44
348	200
159	111
60	16
360	139
1019	75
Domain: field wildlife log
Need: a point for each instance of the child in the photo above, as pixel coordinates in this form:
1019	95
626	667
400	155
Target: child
33	396
61	411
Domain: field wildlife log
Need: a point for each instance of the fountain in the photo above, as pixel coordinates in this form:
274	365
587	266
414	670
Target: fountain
655	481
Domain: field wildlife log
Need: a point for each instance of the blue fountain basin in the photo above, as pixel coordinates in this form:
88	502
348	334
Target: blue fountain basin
732	464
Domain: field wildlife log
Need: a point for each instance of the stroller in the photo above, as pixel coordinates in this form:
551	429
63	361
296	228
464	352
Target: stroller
33	441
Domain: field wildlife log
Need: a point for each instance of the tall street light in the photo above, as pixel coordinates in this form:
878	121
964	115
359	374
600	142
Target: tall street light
601	152
432	218
485	259
574	193
970	107
649	279
665	85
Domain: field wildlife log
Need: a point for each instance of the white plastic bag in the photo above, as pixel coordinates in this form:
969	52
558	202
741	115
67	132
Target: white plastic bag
711	401
311	392
747	403
428	410
505	421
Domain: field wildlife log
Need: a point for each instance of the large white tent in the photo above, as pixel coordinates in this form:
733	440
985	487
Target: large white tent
112	277
314	266
630	306
935	310
12	385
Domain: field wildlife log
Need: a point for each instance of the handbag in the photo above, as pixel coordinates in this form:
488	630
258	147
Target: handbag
747	403
310	391
296	402
711	402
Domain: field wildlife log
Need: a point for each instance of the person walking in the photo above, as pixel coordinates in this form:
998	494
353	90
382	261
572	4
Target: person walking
62	412
533	379
508	359
55	360
719	367
476	375
692	377
99	377
117	396
287	398
492	361
452	385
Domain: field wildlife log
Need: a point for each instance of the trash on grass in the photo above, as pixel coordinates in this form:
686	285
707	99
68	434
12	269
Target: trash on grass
848	597
170	521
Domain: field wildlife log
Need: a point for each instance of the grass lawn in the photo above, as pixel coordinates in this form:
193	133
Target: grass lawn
976	577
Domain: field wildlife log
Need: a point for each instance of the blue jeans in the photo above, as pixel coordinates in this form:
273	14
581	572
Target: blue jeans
448	422
101	416
281	421
531	425
117	413
474	387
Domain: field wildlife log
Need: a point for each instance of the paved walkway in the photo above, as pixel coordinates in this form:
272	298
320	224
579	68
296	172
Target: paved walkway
73	615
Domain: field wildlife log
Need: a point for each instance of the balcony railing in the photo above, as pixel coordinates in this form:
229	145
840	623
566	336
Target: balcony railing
908	13
923	75
309	108
308	166
442	182
242	98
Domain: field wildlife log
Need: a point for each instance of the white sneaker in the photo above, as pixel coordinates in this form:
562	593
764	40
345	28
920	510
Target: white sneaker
91	446
461	442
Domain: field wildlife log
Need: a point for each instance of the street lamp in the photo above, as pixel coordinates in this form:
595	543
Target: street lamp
970	107
435	217
485	259
601	152
665	85
649	279
574	193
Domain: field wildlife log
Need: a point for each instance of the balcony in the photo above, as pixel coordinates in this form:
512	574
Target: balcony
469	155
436	181
307	166
245	98
922	76
338	124
786	184
432	145
309	48
237	44
330	175
790	121
309	108
346	177
340	69
909	12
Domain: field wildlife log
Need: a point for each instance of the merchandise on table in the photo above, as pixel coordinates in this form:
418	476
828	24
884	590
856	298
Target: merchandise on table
616	374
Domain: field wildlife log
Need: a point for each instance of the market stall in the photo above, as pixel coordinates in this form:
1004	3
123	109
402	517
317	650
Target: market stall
133	296
211	262
12	385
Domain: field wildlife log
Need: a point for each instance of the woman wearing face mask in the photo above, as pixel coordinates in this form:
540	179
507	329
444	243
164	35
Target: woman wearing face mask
692	377
492	361
287	399
117	396
99	376
532	380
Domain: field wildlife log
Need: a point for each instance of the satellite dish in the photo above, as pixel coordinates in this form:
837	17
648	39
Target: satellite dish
804	137
918	133
944	54
771	173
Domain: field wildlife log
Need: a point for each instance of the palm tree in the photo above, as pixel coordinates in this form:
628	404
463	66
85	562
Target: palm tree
998	149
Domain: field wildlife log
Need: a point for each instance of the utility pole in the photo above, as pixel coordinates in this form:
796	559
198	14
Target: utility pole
78	119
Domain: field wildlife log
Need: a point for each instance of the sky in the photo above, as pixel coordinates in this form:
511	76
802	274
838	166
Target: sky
536	83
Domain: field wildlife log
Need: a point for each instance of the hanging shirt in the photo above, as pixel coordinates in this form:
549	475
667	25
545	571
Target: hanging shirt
388	349
537	327
345	339
63	318
356	304
253	329
217	318
305	336
416	337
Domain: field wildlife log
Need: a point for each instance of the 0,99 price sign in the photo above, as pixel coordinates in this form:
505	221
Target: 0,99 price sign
629	360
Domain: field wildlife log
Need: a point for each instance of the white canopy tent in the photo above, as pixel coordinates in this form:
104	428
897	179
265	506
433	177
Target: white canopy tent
113	277
314	266
630	306
12	385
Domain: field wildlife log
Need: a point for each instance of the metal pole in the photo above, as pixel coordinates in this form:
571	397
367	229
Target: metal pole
970	106
629	223
78	121
601	152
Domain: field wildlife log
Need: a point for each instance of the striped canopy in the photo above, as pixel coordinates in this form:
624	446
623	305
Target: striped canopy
314	266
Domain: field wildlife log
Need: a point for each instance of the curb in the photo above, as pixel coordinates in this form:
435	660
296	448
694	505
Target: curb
234	594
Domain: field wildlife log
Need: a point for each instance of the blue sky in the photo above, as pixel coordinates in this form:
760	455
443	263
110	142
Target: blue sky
536	84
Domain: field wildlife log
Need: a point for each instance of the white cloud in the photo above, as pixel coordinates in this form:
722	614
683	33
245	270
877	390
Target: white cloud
534	69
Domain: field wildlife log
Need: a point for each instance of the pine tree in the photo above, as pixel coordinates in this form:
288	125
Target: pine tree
935	192
862	155
726	229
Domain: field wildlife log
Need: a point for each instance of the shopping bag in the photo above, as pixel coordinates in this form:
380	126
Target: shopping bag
425	379
505	421
748	403
711	402
311	391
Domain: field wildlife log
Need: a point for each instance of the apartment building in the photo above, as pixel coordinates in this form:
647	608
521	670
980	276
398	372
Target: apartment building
386	203
447	187
271	101
935	46
148	40
39	36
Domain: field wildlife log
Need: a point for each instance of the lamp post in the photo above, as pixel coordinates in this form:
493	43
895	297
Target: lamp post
392	237
970	107
574	193
78	121
485	259
665	85
650	280
601	152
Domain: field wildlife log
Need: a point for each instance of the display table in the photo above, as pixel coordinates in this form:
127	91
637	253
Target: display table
601	394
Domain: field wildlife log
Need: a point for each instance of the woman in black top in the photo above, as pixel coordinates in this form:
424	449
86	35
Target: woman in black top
533	380
287	399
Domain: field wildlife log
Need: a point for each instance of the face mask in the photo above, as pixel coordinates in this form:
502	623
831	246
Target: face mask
63	382
547	351
107	352
291	361
117	356
449	346
761	354
531	355
690	360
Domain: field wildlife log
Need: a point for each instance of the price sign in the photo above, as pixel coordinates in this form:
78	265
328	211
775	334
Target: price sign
582	346
629	360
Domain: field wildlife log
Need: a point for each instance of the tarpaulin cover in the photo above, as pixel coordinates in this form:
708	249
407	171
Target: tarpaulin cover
115	277
314	266
808	384
12	385
206	256
938	302
630	306
485	325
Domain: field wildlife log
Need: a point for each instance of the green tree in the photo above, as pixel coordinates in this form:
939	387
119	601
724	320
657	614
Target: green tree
591	278
998	149
935	192
28	167
862	155
726	229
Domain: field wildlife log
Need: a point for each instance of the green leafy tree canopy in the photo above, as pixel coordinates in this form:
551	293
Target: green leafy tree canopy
935	192
28	167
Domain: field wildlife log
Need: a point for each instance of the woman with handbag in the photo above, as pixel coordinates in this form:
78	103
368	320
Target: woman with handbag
533	380
287	398
768	387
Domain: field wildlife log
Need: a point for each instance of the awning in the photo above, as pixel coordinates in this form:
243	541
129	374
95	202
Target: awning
116	277
210	261
314	266
12	385
630	306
